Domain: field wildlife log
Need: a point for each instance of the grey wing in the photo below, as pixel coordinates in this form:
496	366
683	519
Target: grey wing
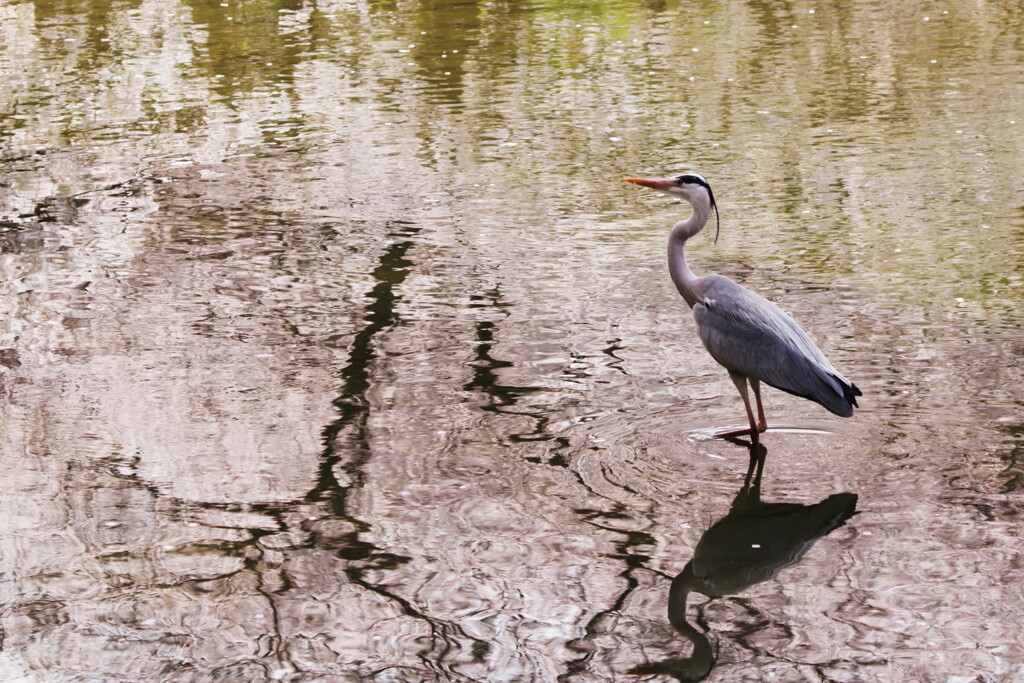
750	335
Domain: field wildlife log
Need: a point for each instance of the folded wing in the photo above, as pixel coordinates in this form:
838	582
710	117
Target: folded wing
750	335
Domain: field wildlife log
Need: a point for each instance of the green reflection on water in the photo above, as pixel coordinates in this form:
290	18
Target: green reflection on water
837	128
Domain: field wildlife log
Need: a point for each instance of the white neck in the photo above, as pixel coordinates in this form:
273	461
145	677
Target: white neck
682	276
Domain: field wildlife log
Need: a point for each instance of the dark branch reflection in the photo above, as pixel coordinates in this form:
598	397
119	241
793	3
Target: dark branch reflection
751	544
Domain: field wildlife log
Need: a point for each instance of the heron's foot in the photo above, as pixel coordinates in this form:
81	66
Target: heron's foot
754	434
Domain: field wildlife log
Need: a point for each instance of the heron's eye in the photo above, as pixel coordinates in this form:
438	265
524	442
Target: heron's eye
687	179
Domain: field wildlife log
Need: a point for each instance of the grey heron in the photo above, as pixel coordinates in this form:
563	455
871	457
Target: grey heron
747	334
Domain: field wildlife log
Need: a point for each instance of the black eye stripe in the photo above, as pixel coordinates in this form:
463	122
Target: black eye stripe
696	180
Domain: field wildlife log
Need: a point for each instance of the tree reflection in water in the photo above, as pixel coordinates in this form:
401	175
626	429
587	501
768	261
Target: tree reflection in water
751	544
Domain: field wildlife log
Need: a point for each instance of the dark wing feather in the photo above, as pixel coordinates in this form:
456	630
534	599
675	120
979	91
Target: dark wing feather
750	335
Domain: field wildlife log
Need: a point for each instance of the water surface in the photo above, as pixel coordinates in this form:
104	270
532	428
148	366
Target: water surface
334	348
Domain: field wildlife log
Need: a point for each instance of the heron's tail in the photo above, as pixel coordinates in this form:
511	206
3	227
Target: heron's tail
843	399
835	392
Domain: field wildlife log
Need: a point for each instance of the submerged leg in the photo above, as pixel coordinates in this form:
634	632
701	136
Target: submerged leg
741	385
762	424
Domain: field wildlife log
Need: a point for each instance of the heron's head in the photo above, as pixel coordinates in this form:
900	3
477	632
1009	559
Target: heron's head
692	187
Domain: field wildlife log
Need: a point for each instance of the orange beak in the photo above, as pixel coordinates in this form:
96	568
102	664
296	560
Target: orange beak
653	183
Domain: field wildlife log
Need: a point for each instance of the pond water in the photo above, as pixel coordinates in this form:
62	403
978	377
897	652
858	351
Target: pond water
334	348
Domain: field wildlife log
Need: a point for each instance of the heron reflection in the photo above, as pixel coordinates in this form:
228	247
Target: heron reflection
751	544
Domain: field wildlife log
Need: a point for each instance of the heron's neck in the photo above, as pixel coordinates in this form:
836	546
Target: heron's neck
682	276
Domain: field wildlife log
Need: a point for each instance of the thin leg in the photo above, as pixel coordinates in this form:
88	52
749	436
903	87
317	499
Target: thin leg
762	424
741	385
